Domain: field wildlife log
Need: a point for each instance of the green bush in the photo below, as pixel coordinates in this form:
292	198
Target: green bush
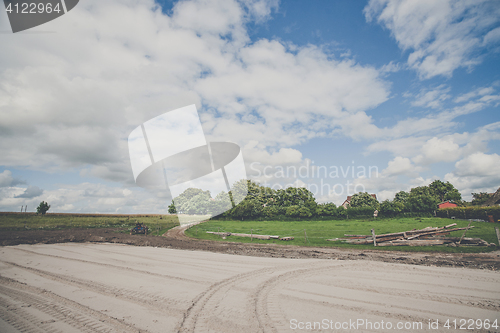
356	212
472	212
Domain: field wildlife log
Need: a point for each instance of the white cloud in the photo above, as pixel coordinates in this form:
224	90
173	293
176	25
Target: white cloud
432	98
425	150
475	93
438	150
391	67
84	198
478	164
7	180
31	192
492	36
69	100
401	166
476	173
442	35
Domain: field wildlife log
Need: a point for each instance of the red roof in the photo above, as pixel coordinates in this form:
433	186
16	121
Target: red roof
447	204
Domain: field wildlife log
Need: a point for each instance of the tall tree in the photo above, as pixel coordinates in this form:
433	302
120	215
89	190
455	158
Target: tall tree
364	200
445	191
401	196
478	199
42	208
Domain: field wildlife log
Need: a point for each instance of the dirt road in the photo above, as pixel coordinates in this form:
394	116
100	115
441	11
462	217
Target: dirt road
117	288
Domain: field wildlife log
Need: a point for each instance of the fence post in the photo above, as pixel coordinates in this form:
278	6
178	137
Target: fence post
374	238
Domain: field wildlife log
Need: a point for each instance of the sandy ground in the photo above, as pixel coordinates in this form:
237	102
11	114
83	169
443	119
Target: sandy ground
175	239
88	287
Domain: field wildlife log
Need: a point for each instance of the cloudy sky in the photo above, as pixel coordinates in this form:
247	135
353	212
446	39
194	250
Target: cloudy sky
311	91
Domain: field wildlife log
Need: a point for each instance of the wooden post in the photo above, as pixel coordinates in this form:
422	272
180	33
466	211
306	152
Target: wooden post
498	234
465	231
251	235
374	238
22	208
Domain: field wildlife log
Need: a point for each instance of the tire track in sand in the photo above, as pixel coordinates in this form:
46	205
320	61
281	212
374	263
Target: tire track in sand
206	302
151	301
17	298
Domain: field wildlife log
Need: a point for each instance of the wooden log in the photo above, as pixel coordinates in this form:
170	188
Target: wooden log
460	241
249	235
224	234
402	233
360	241
416	242
286	238
437	232
450	225
347	235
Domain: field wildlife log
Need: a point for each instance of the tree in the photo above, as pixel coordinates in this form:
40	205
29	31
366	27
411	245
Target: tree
422	203
293	196
478	199
171	208
199	204
401	196
326	209
192	201
42	208
247	209
445	191
363	200
421	190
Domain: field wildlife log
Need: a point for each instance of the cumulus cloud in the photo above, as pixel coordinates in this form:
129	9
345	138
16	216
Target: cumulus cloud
31	192
478	164
438	150
401	166
84	198
428	140
69	100
7	180
440	35
476	173
84	91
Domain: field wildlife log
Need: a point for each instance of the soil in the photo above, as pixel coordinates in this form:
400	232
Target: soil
175	239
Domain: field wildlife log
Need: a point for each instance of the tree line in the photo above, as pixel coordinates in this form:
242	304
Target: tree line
256	201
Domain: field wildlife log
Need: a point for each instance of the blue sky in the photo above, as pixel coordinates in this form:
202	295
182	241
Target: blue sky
409	88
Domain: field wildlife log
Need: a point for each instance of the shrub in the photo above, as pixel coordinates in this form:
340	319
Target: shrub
472	212
355	212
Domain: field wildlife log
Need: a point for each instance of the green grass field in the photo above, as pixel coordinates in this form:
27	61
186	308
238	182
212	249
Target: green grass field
19	221
318	232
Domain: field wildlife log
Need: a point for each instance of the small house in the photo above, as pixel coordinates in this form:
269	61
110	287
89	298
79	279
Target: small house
447	204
